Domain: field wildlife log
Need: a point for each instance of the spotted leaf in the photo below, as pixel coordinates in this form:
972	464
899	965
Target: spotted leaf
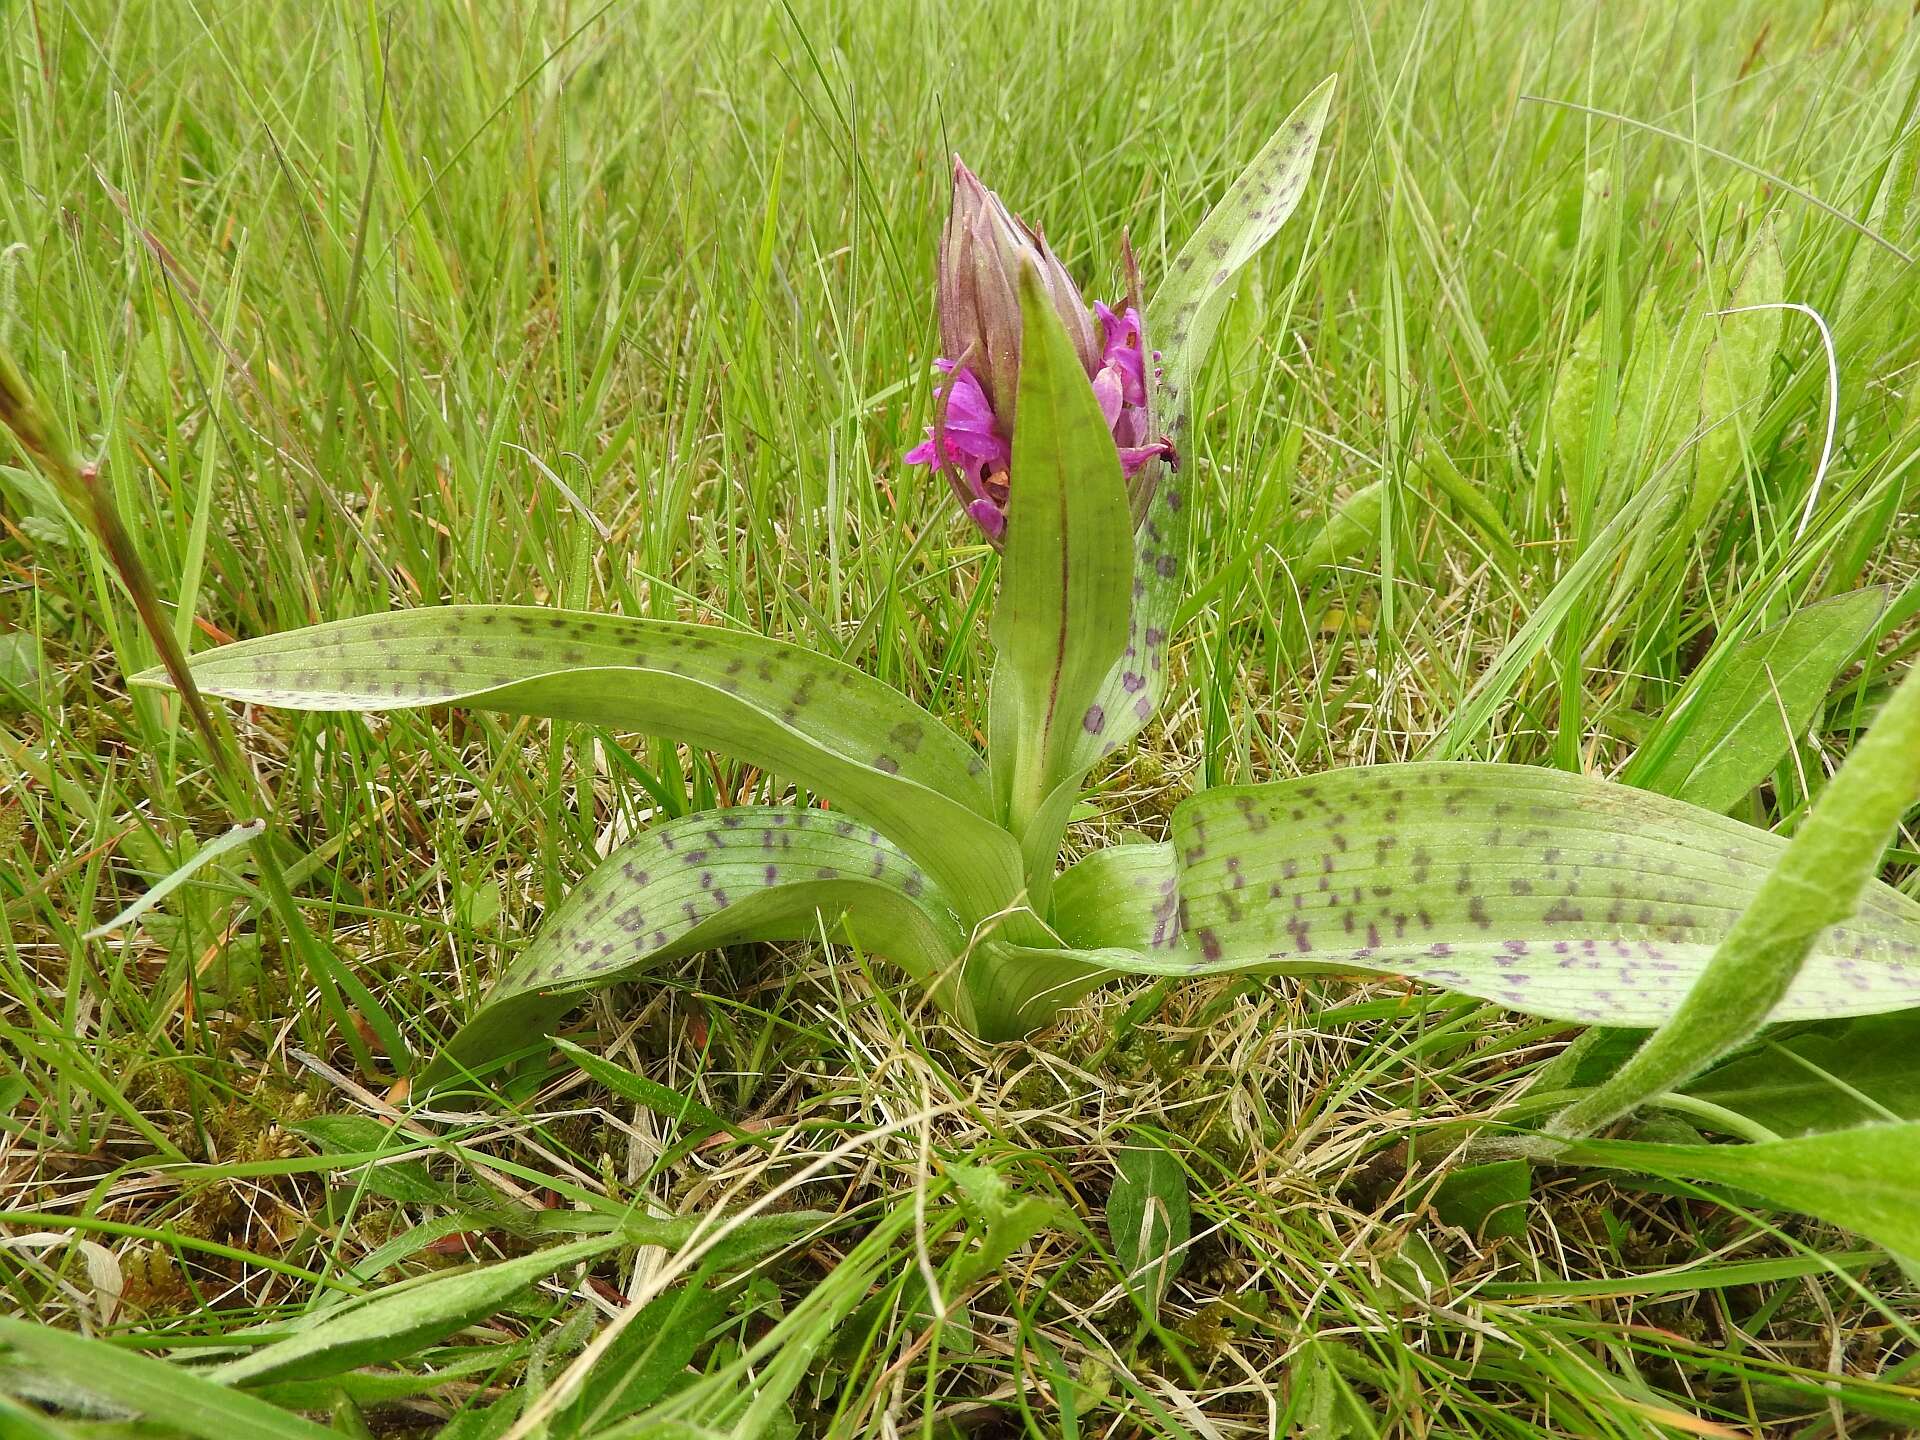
1547	892
1181	320
846	736
717	878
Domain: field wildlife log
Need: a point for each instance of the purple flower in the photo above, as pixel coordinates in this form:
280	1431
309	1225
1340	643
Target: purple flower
971	440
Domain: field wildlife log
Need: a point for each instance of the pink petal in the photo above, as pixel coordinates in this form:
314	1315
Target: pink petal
1108	389
989	517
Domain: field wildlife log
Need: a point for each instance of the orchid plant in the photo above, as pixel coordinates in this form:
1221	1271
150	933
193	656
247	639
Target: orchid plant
1064	433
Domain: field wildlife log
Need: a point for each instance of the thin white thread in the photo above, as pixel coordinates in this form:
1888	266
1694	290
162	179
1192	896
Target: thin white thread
1833	398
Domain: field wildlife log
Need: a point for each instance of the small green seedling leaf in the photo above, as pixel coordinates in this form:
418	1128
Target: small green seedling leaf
1863	1179
1488	1201
1149	1218
1790	926
1066	574
1744	712
406	1181
397	1321
165	1394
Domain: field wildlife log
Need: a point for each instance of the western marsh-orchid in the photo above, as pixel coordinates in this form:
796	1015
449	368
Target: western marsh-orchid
984	250
1550	893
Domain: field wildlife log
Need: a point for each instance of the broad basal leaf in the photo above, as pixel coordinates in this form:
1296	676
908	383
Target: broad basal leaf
1550	893
1061	620
1741	715
1181	318
717	878
846	736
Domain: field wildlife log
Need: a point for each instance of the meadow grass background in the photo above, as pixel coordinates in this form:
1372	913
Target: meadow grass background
629	306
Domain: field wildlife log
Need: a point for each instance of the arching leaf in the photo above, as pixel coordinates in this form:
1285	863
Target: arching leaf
843	734
717	878
1181	318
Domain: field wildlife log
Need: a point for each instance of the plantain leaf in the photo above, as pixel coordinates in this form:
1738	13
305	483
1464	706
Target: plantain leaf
1826	1077
1740	716
1547	892
846	736
1181	319
1149	1218
399	1320
1864	1179
1065	576
1786	930
724	877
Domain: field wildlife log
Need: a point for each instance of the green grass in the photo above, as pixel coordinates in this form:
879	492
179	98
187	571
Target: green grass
629	307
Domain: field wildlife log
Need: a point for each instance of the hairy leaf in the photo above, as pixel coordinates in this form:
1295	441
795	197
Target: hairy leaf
1181	319
1065	576
165	1394
1742	714
1547	892
399	1320
749	873
1864	1179
849	737
1786	931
